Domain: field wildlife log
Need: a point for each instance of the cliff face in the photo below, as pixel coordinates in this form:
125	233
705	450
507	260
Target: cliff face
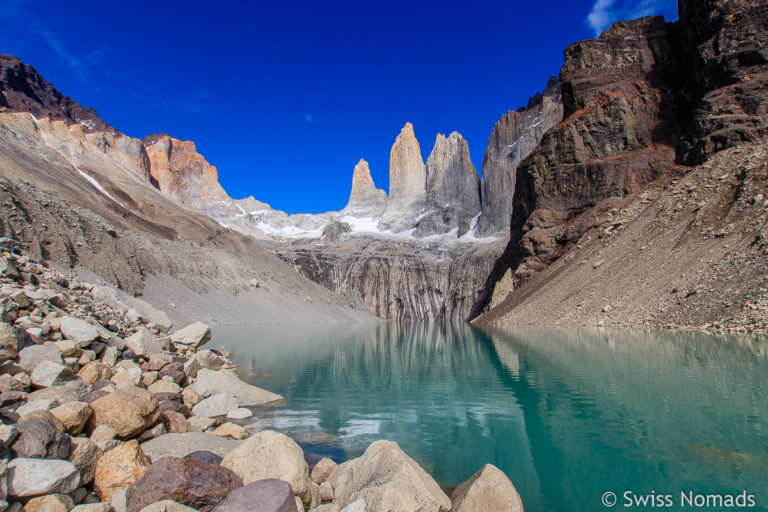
514	137
453	187
641	102
365	197
179	171
407	173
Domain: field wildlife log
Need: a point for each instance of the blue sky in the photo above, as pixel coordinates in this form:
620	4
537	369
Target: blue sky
285	98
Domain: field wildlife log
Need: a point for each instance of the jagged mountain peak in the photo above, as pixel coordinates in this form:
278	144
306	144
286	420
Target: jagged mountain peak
23	89
364	194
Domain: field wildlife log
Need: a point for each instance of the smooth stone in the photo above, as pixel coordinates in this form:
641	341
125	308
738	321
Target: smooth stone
190	482
326	492
328	507
92	507
205	456
103	433
194	335
488	489
387	479
118	468
200	423
210	360
34	477
268	495
210	382
355	506
240	413
269	454
181	445
129	411
79	331
323	470
215	405
163	386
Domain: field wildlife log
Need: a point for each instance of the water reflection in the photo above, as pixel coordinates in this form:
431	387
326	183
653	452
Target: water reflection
566	413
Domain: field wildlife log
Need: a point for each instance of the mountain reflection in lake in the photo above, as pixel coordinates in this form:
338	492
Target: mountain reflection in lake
566	413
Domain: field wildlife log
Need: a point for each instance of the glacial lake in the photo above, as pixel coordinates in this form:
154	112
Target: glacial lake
567	414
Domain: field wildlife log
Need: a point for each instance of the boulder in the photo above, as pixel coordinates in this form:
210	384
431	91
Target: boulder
268	495
210	360
126	377
231	431
32	356
200	423
93	371
212	382
68	348
118	469
190	482
216	405
164	386
49	503
269	454
323	470
173	370
194	335
35	477
174	422
40	436
181	445
8	383
48	373
326	492
488	489
143	343
45	404
167	506
73	416
61	394
205	456
109	356
8	335
240	413
84	456
191	398
79	331
129	411
387	479
103	433
329	507
355	506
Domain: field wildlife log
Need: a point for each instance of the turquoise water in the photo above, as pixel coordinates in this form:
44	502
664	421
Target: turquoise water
567	414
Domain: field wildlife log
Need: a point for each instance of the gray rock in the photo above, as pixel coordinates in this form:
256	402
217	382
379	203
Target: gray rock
194	335
9	270
8	383
217	405
48	373
84	456
210	382
32	356
109	356
239	414
45	404
269	495
355	506
387	479
211	360
79	331
61	394
205	456
143	343
39	436
270	454
181	445
35	477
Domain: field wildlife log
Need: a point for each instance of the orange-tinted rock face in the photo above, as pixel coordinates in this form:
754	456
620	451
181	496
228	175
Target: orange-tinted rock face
179	171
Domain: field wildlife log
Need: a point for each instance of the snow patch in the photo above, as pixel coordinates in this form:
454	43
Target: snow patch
98	187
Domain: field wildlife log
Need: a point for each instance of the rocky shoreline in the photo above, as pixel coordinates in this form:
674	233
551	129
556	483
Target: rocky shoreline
110	409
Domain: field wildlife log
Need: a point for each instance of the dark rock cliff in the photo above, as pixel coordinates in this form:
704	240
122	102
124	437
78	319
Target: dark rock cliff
641	101
22	89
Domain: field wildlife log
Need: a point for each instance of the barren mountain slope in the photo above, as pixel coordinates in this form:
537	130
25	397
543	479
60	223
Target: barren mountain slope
691	250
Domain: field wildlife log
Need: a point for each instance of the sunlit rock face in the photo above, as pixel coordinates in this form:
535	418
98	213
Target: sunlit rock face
407	172
365	197
180	171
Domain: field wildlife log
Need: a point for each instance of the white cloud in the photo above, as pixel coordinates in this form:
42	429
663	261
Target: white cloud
605	12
